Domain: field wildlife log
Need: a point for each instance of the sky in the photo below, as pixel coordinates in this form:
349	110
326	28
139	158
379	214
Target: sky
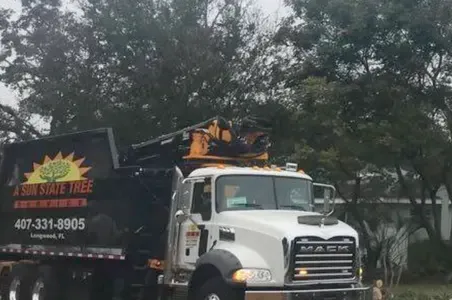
272	8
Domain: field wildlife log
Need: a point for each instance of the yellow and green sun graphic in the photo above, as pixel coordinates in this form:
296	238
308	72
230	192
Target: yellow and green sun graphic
58	169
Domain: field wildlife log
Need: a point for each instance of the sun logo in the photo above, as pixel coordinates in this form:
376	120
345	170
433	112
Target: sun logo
59	169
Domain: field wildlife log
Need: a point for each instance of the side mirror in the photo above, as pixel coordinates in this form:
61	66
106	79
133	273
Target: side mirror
180	216
329	197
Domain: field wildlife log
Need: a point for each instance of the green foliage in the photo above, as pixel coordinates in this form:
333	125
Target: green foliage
54	170
426	260
371	97
142	67
14	125
369	106
422	292
421	296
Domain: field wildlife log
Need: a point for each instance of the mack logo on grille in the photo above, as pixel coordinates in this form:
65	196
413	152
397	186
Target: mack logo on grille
324	260
325	249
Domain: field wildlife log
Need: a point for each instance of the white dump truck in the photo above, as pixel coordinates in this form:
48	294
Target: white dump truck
197	214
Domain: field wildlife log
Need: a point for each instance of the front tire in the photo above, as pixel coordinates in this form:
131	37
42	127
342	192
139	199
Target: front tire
217	289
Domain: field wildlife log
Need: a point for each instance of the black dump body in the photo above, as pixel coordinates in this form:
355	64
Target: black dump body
67	196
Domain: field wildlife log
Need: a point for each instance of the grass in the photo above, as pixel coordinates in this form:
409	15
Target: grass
426	289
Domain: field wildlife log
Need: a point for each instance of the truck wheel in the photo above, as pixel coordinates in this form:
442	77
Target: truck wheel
20	281
45	286
217	289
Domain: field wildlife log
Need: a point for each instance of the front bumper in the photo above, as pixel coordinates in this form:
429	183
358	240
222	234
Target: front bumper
358	293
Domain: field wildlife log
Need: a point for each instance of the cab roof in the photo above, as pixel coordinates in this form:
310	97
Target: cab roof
217	171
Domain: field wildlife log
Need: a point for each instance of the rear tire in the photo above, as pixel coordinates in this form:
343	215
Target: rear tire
4	283
20	281
217	289
46	284
102	285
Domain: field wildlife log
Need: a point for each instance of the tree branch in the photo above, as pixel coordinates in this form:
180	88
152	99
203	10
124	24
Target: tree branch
23	125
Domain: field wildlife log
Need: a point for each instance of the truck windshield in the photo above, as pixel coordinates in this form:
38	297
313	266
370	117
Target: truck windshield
244	192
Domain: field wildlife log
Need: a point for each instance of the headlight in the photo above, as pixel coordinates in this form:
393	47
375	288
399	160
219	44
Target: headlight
252	275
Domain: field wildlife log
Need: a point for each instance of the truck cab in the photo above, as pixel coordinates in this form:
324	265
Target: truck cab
254	230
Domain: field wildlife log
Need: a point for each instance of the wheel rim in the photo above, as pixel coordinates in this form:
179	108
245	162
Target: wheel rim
14	289
36	292
212	297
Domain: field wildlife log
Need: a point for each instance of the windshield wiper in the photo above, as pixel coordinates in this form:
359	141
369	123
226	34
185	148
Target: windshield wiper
297	207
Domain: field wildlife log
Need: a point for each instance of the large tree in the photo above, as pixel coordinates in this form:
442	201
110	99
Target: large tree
143	67
381	95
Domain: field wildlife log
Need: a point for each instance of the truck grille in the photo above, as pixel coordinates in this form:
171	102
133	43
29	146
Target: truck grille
316	259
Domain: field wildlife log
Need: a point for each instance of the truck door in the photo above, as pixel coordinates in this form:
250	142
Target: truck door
194	238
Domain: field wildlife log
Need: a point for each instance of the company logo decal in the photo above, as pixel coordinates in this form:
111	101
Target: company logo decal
54	183
58	169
